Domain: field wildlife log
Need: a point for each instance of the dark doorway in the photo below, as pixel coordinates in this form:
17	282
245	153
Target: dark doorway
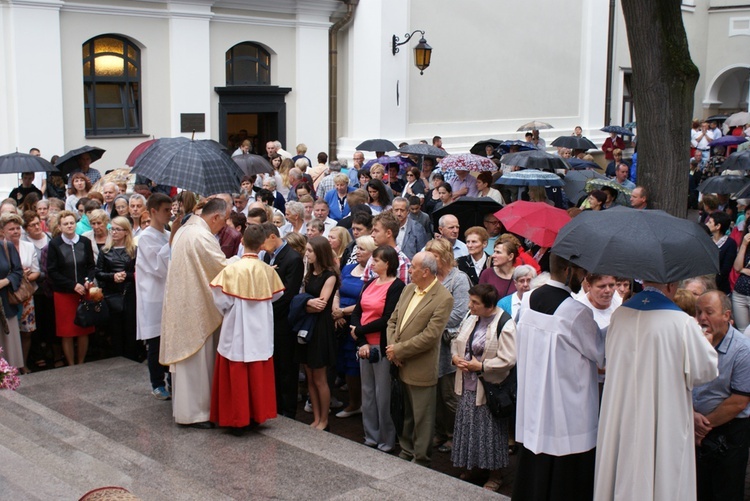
260	111
259	128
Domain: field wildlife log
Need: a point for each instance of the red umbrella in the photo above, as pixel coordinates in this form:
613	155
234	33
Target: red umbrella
138	151
537	221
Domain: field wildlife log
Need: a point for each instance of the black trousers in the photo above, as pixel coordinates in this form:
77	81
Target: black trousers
286	370
541	477
156	371
721	461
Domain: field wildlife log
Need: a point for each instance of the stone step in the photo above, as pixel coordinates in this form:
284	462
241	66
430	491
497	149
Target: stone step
67	431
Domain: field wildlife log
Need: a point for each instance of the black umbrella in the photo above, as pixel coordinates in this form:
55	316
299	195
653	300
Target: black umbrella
574	143
23	162
723	185
739	160
69	161
717	118
575	183
253	164
470	211
623	131
424	150
645	244
479	147
534	159
578	164
377	145
199	166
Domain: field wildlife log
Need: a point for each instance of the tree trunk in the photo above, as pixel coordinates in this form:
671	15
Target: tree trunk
664	79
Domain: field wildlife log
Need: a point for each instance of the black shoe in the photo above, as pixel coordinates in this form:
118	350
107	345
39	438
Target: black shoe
203	425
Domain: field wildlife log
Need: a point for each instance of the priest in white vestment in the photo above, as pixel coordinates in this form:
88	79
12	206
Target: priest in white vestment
243	391
655	354
559	347
151	267
190	320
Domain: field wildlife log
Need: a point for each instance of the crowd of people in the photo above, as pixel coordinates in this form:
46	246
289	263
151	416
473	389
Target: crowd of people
325	272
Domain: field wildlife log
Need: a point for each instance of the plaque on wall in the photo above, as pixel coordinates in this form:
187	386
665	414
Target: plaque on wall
190	122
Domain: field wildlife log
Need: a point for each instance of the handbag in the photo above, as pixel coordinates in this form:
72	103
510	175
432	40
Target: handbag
501	397
90	313
25	289
116	302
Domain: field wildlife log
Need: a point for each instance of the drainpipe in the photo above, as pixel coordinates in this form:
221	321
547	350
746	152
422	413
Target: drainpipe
610	57
333	54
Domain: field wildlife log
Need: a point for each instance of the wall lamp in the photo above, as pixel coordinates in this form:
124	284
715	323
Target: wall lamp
422	51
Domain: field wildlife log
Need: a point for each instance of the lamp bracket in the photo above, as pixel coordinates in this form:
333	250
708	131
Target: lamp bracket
407	37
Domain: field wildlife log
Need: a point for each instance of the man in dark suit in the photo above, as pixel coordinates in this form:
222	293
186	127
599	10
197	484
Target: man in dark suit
414	332
411	235
289	266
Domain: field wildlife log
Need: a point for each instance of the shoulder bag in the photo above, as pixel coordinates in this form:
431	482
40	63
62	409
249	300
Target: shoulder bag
501	397
25	289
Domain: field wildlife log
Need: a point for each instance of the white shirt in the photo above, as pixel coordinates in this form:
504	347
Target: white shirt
558	394
151	266
601	317
479	265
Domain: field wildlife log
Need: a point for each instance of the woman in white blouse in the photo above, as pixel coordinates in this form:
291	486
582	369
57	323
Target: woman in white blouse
484	189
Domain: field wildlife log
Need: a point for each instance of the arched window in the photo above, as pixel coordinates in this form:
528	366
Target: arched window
248	63
111	86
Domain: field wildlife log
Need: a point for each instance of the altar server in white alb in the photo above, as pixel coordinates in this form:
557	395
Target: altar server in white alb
559	347
243	391
151	267
656	354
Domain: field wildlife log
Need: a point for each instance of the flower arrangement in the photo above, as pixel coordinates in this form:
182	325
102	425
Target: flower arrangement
8	375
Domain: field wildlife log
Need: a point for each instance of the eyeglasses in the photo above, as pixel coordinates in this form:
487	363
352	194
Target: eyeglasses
117	230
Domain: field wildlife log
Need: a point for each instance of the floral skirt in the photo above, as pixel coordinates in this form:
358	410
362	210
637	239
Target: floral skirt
480	440
27	316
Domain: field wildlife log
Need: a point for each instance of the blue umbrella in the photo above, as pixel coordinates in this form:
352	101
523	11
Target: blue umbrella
623	131
522	146
199	166
530	177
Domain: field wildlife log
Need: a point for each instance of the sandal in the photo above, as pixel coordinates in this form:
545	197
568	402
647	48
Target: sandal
493	485
471	475
446	447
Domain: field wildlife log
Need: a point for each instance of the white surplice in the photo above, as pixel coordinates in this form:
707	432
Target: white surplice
151	268
645	446
247	329
558	393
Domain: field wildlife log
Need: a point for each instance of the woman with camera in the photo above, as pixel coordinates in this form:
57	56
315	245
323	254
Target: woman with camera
369	322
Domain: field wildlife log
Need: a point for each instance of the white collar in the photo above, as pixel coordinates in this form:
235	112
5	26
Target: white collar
69	241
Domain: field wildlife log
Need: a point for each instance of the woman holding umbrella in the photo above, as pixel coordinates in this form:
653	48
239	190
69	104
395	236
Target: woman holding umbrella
610	144
501	273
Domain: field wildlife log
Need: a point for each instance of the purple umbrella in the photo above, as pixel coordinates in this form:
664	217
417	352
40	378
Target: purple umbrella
728	141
